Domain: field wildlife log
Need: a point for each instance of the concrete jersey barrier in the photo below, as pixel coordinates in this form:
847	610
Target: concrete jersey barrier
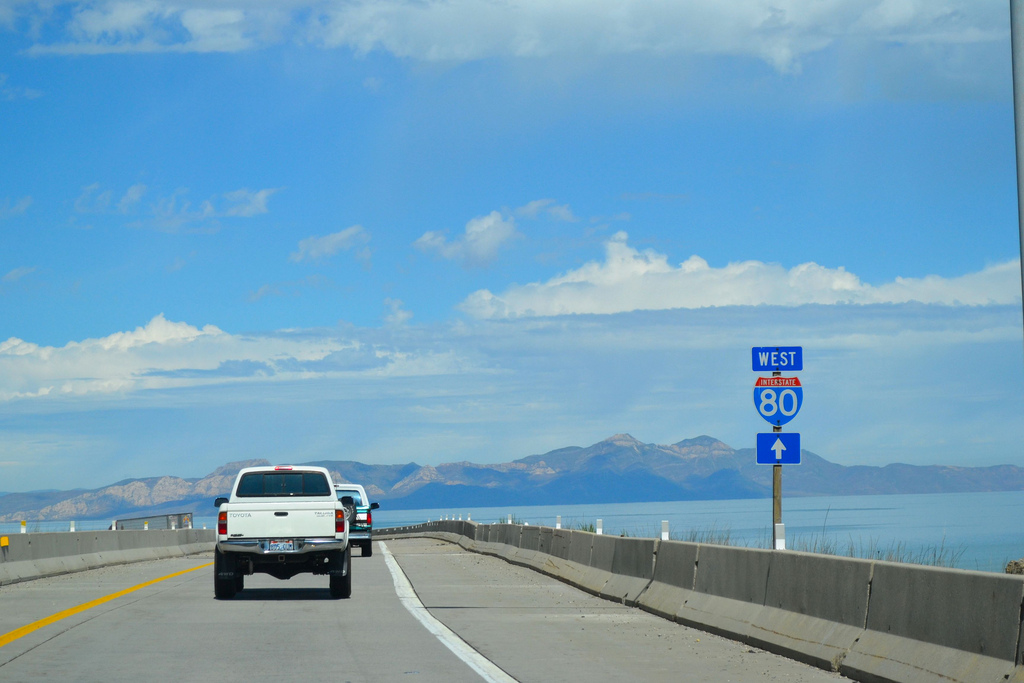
38	555
869	620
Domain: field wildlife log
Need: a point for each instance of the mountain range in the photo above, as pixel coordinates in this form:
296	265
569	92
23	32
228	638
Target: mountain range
620	469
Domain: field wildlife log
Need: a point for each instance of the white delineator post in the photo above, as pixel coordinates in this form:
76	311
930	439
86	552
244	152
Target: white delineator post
72	526
780	536
664	529
558	522
600	526
24	524
510	519
145	526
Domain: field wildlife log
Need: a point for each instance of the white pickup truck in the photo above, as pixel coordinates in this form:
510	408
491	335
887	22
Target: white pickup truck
282	521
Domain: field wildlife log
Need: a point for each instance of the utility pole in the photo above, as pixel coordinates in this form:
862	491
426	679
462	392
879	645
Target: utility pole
1017	55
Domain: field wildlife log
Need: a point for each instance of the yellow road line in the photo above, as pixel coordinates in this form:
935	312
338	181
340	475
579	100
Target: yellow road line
36	625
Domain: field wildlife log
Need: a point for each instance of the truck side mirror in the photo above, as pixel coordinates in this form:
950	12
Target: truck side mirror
219	502
374	506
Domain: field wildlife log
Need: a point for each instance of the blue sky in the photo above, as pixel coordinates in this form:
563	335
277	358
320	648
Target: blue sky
433	231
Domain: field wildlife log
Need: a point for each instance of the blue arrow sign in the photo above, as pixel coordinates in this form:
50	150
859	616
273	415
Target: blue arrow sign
778	448
778	399
777	358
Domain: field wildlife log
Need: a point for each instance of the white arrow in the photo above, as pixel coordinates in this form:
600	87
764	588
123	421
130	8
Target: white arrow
778	447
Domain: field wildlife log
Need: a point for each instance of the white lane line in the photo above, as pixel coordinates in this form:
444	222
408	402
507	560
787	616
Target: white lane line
487	669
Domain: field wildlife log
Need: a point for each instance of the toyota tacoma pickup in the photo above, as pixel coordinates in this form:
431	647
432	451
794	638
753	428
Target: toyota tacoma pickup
282	521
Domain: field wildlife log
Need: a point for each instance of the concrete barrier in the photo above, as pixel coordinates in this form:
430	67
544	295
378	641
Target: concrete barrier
560	540
924	621
728	590
675	569
529	538
38	555
815	607
569	555
599	569
545	539
869	620
632	569
528	553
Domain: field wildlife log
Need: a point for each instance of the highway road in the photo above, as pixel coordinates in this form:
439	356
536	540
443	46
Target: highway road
158	621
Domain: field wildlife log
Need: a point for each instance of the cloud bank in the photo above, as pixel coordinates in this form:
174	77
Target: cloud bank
779	32
166	355
885	382
632	280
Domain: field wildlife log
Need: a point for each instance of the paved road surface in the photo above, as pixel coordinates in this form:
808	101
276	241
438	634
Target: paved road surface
531	627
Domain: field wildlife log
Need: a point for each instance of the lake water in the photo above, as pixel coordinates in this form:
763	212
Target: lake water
980	531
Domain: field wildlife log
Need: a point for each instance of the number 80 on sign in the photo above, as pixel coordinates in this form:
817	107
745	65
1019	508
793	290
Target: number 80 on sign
778	399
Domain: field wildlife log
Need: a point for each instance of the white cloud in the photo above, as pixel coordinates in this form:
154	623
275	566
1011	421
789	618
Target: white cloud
779	32
477	246
535	208
7	210
176	212
263	292
92	200
631	280
247	203
18	273
317	248
396	315
159	330
10	93
131	197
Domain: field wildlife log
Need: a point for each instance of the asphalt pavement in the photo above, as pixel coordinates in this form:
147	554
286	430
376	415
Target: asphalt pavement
528	626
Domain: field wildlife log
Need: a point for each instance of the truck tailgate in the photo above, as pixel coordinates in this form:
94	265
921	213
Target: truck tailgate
290	520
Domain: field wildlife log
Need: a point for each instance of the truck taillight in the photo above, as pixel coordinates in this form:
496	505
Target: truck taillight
222	523
339	521
369	518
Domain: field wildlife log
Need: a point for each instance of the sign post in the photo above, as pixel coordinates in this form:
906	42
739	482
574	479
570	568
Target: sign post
778	399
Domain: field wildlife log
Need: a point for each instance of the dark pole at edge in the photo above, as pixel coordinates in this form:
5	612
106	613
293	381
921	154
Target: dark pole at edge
1017	58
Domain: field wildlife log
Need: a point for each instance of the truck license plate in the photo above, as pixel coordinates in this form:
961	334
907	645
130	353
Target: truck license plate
282	546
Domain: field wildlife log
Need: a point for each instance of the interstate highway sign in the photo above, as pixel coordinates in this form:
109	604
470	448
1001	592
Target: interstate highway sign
777	358
778	448
778	399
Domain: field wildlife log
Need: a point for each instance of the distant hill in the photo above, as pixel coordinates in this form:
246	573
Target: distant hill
620	469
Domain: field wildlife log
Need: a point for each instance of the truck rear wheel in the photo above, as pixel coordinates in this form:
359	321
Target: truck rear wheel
223	589
368	549
341	586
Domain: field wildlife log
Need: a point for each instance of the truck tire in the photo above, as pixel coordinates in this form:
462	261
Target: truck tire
341	586
223	589
367	549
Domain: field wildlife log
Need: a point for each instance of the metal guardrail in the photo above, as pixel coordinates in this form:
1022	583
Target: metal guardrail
181	520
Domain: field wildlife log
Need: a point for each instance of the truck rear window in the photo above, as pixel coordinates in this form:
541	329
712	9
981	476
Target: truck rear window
274	484
356	498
